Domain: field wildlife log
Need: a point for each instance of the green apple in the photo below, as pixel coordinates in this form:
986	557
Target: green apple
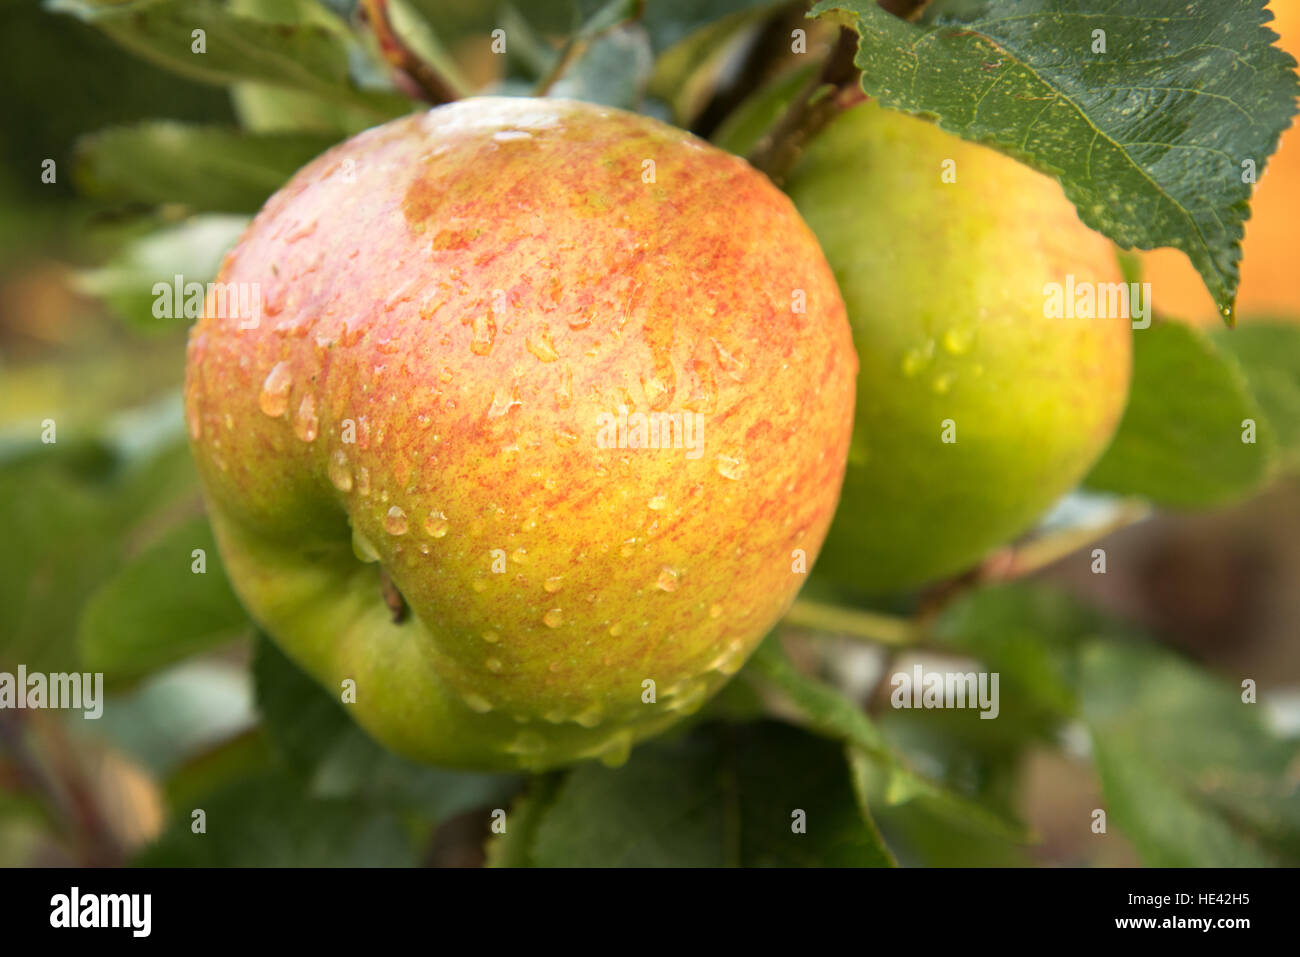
975	411
545	413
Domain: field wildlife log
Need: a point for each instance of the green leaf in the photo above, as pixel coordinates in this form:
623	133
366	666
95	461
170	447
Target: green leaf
318	740
726	796
1189	771
1269	354
1180	442
1148	139
303	721
267	821
514	847
1030	636
885	778
157	610
207	168
312	56
65	509
192	250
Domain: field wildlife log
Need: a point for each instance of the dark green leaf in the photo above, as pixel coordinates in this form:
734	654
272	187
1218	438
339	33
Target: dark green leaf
514	847
725	796
1189	771
885	778
266	821
64	510
1182	441
304	722
316	737
206	168
157	610
1148	138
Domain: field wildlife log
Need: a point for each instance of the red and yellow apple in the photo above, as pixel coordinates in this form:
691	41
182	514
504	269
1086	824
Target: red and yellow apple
408	458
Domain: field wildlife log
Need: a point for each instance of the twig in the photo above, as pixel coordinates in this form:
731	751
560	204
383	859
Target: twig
571	52
768	54
1018	561
69	797
428	82
832	91
866	625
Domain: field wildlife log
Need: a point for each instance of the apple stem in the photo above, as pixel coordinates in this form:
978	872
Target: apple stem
393	598
866	625
428	82
824	97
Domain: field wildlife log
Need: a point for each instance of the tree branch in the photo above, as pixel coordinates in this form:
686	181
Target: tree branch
427	82
866	625
832	91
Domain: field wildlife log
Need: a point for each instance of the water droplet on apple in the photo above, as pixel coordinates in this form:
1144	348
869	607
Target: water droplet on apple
363	481
339	472
553	618
477	702
616	749
305	424
503	402
395	522
615	629
363	548
541	346
917	358
491	637
553	584
958	340
493	665
274	398
715	611
484	334
657	503
667	580
729	467
732	363
436	524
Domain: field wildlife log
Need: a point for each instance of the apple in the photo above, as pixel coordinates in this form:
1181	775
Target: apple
543	417
975	411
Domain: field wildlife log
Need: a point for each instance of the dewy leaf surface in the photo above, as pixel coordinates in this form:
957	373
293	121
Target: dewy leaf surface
1151	139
